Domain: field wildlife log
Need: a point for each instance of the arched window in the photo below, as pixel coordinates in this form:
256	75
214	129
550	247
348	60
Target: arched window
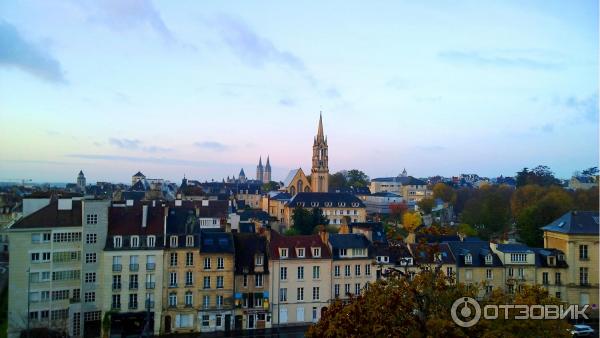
292	190
299	185
307	189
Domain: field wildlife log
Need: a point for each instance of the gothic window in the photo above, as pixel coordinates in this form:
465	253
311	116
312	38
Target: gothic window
292	190
299	184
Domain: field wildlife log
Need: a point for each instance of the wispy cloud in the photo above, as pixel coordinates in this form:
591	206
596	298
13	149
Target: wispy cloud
157	160
121	15
17	52
498	59
584	107
212	145
133	144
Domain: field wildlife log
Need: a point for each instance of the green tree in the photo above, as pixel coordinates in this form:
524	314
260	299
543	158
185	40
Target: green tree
540	175
466	229
444	192
426	205
357	178
305	220
488	209
554	203
270	186
337	181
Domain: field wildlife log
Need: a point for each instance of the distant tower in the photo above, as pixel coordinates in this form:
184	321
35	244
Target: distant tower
260	171
81	180
267	174
319	178
242	176
137	177
404	173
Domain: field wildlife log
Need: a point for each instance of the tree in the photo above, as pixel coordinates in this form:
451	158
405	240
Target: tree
270	186
426	204
488	208
306	221
337	181
401	307
593	171
540	175
466	230
586	199
357	178
317	217
411	221
444	192
397	210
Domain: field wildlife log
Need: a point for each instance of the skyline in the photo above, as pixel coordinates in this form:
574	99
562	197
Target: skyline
122	86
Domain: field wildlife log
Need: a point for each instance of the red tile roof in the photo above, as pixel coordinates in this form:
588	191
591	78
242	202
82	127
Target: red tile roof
127	220
293	242
49	216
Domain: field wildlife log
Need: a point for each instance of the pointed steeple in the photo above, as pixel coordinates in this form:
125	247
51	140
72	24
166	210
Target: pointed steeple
260	161
268	165
320	135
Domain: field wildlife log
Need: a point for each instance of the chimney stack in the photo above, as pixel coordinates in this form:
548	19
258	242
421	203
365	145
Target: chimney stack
144	215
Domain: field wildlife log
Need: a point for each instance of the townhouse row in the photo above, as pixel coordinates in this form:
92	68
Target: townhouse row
83	266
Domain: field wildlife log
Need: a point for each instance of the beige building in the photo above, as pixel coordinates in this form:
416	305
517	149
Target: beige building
410	188
295	182
300	279
576	234
274	204
519	265
335	206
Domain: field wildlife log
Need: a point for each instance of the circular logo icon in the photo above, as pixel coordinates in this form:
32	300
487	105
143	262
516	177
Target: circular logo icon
464	308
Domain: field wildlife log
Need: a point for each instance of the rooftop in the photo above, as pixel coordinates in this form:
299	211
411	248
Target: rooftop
576	223
49	217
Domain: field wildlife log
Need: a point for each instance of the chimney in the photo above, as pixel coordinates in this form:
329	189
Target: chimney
177	203
144	215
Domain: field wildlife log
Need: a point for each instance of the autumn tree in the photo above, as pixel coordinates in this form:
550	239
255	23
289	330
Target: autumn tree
411	221
426	205
488	208
397	210
444	192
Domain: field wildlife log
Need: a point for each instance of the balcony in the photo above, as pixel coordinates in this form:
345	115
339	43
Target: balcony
134	267
116	286
149	304
133	286
150	266
117	267
150	285
189	284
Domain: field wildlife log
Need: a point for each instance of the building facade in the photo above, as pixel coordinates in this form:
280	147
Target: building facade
336	207
353	267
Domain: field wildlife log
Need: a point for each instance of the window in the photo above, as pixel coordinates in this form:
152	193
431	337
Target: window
116	282
206	302
468	274
172	299
90	277
173	259
583	276
449	271
65	275
368	269
219	301
357	270
133	301
91	238
518	257
116	263
488	259
357	288
259	260
468	259
219	282
489	274
219	320
207	262
90	257
189	299
134	263
488	289
316	272
116	302
300	294
189	240
521	273
189	278
346	289
258	280
150	262
316	252
336	290
189	258
315	293
283	295
245	280
117	241
60	294
343	252
220	263
283	273
150	281
206	283
173	241
301	253
336	271
300	272
359	252
347	270
90	297
544	278
151	241
557	278
283	253
558	294
583	252
173	279
383	259
511	272
133	282
91	219
205	320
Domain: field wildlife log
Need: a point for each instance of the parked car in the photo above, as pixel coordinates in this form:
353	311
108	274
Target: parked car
581	330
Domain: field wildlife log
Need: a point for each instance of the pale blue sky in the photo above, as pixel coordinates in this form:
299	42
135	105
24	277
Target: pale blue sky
202	89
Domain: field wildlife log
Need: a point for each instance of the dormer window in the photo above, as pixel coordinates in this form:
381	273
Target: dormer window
314	204
189	240
359	252
438	257
343	252
468	259
316	252
551	261
561	257
173	241
406	261
258	261
355	205
328	204
383	259
283	252
488	259
341	204
117	241
151	241
135	241
300	252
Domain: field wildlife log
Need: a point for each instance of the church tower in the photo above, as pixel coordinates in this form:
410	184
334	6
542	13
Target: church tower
267	175
319	177
81	180
260	171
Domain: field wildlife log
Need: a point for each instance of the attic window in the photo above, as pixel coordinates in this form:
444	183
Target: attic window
341	204
355	205
316	252
300	252
258	261
468	259
151	241
189	240
135	241
561	224
488	259
383	259
314	204
117	241
551	261
173	241
283	252
327	204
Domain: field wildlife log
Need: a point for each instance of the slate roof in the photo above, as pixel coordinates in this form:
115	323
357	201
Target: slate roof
247	246
478	250
133	195
127	220
254	214
395	251
542	254
376	228
139	186
290	177
386	194
281	196
514	248
348	241
139	173
320	198
423	256
182	221
216	242
575	223
293	242
408	180
49	217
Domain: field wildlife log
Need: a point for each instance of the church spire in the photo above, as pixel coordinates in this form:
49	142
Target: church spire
320	135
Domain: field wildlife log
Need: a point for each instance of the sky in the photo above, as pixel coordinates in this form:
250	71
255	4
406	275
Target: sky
203	89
